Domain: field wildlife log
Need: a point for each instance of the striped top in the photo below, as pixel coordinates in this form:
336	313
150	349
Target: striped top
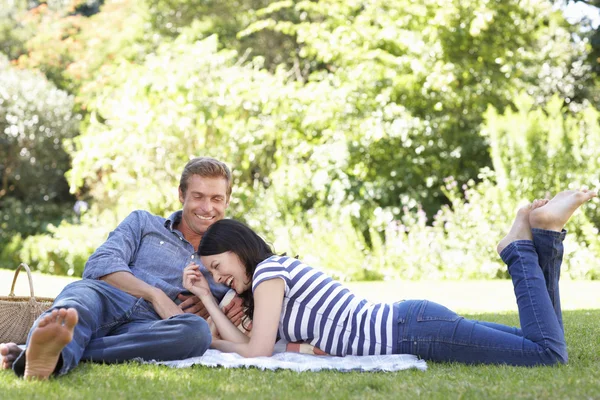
318	310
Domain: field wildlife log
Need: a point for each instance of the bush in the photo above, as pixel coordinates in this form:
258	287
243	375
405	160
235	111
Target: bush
65	249
35	118
536	152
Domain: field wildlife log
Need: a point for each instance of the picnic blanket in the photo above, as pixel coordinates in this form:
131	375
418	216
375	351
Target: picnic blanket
300	362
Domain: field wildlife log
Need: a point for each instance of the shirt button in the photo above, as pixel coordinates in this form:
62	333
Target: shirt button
161	242
192	256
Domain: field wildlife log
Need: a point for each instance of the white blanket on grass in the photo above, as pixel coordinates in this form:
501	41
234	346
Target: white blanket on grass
301	362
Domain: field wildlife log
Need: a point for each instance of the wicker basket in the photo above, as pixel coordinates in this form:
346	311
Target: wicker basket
17	314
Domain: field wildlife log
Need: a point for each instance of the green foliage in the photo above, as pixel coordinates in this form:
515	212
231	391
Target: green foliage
35	118
84	41
64	249
326	240
332	113
417	79
536	152
13	33
227	19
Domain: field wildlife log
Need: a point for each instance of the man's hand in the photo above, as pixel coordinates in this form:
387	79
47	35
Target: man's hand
235	310
164	306
193	305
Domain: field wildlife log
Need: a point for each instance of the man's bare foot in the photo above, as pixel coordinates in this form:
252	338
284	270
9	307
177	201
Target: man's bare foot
554	215
48	339
9	353
520	229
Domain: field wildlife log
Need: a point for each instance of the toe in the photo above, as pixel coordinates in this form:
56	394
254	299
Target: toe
62	313
71	318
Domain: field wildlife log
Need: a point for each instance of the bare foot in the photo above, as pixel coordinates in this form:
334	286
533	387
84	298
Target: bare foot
9	353
48	339
554	215
520	229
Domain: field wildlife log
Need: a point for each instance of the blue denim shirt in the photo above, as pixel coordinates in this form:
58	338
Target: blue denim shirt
148	247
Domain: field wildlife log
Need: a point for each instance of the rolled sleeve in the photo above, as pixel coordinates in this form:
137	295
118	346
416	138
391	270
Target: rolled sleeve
118	251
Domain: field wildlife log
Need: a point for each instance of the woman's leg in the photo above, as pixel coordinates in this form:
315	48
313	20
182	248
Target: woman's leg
436	333
504	328
539	321
547	224
550	250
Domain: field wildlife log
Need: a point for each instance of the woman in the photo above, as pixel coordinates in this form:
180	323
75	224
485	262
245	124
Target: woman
288	298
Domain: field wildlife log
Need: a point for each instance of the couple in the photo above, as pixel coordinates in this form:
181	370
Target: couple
126	305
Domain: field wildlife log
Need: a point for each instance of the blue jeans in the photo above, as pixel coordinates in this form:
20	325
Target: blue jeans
435	333
115	326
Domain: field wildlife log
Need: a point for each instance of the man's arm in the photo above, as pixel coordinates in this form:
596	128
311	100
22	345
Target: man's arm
115	254
127	282
110	263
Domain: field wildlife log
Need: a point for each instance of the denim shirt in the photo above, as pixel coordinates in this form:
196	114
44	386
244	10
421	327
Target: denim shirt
148	247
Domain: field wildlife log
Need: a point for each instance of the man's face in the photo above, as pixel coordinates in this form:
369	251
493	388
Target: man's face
204	203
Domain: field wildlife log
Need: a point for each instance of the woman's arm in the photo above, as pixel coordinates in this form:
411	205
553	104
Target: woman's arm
268	302
227	330
195	282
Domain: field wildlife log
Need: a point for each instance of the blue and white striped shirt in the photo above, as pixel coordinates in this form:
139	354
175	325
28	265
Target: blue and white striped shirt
320	311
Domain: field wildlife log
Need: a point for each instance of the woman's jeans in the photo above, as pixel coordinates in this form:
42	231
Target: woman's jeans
433	332
115	326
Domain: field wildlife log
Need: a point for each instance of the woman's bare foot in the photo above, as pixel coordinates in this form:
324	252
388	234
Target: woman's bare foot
520	229
48	339
9	353
555	214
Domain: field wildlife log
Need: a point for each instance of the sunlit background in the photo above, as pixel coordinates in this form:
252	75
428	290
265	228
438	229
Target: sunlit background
377	139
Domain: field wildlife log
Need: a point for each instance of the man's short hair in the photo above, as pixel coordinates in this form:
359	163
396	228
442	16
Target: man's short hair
207	167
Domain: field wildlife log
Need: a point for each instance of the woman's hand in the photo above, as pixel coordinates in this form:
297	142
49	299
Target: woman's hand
194	281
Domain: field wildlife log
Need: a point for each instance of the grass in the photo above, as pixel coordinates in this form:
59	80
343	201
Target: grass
577	380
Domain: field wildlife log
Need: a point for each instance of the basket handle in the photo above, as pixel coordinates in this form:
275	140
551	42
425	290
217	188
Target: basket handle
12	288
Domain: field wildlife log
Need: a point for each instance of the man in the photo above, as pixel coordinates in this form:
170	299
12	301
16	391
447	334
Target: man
126	305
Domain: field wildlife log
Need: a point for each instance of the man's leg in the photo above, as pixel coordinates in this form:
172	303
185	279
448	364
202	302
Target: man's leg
148	337
99	308
46	342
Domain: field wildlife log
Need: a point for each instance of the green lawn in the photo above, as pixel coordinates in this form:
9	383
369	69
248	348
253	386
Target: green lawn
577	380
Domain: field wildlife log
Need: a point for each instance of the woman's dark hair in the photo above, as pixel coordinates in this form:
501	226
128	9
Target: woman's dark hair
231	235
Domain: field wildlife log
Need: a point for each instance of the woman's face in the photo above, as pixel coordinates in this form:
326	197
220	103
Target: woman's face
227	268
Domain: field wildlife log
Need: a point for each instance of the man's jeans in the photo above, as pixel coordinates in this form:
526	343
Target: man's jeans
435	333
115	327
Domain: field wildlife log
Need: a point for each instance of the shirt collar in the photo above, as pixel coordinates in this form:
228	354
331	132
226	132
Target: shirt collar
174	219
